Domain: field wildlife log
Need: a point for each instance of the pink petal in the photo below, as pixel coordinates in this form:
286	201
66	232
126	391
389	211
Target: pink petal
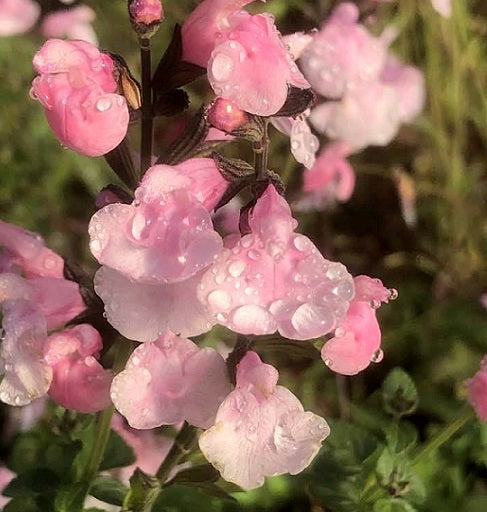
79	382
58	299
169	381
26	376
443	7
297	43
261	429
143	312
28	251
71	23
17	16
477	390
155	242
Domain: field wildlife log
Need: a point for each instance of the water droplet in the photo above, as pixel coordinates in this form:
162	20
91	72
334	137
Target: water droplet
236	268
377	356
253	254
302	243
393	294
219	300
103	104
222	67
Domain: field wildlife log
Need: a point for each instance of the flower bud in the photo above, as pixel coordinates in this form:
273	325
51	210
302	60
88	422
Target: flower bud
226	115
146	16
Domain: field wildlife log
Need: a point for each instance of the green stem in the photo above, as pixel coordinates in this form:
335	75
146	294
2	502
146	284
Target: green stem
147	117
182	446
261	153
445	434
104	420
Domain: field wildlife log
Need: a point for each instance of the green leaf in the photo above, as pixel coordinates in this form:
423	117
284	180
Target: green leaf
71	498
399	393
32	483
118	453
144	490
22	505
197	474
177	498
393	505
109	490
401	437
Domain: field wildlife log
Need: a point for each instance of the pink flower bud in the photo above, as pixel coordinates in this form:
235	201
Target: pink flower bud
226	115
146	12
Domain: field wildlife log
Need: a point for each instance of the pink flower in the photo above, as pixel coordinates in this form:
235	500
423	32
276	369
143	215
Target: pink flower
72	23
477	390
331	177
251	66
146	11
303	143
169	381
343	55
27	251
444	7
357	339
17	16
261	429
155	249
79	382
77	89
275	279
408	82
363	117
26	376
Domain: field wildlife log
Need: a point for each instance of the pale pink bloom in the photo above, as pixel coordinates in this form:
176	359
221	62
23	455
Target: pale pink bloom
357	339
444	7
275	279
296	43
205	28
79	382
343	55
26	376
72	23
146	11
252	67
363	117
166	235
331	178
59	300
6	476
150	448
17	16
477	390
304	144
143	312
77	89
22	419
226	115
261	429
26	251
408	82
169	381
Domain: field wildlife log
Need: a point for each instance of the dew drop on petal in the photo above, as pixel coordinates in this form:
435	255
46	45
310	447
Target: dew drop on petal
377	356
103	104
236	268
219	299
222	67
393	294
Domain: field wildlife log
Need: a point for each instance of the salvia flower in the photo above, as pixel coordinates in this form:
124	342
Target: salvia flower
17	16
261	429
169	381
75	23
477	390
77	89
274	279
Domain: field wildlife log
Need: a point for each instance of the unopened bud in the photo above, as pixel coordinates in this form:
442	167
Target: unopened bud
226	115
146	16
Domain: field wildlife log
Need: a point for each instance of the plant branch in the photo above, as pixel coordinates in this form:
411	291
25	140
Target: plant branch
261	153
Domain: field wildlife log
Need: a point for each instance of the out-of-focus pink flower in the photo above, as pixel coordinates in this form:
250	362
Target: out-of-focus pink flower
226	115
261	429
206	26
26	376
408	82
444	7
150	448
303	143
59	300
79	382
77	89
169	381
17	16
477	390
252	67
483	300
343	55
275	279
6	476
366	116
296	43
331	178
357	339
27	251
72	23
146	11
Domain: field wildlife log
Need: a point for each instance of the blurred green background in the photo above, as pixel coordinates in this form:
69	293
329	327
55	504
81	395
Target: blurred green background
436	330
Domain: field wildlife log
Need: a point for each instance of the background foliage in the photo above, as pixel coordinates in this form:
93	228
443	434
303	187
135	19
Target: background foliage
436	331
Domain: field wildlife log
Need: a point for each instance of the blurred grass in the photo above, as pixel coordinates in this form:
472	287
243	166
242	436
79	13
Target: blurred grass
437	329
